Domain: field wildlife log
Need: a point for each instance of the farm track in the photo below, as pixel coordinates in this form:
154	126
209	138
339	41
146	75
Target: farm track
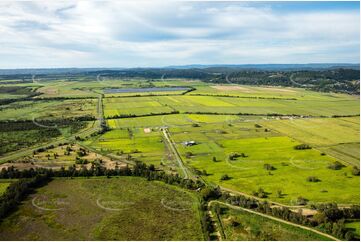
274	218
175	152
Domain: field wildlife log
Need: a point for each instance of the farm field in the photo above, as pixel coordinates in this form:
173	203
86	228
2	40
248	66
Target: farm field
268	92
220	135
242	226
29	110
173	120
132	143
213	104
105	209
338	137
291	168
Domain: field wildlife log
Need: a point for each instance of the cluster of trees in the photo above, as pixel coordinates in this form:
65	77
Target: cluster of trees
18	190
139	169
302	147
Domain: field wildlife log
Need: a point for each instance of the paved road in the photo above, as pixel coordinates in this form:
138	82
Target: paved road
273	218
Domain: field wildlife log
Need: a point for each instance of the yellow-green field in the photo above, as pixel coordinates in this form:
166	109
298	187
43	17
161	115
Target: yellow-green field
213	104
339	137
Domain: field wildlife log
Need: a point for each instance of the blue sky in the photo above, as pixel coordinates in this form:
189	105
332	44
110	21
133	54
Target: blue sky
160	33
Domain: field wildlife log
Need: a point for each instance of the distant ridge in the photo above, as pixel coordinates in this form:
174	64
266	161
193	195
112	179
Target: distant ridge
271	67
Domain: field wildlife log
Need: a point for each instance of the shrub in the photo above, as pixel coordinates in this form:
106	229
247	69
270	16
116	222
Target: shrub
313	179
269	167
335	166
355	171
302	201
225	177
302	147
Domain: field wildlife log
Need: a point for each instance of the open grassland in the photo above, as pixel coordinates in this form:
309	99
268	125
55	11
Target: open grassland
339	137
241	225
124	208
28	110
231	105
135	106
269	92
132	144
171	120
291	168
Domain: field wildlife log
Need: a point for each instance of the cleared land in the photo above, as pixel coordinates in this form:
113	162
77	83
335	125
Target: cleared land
288	172
231	105
124	208
338	137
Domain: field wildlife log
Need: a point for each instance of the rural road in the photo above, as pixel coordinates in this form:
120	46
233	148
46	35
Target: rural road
273	218
175	152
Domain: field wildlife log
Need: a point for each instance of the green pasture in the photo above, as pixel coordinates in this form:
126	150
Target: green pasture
124	208
28	110
240	225
338	137
268	92
172	120
213	104
147	147
292	167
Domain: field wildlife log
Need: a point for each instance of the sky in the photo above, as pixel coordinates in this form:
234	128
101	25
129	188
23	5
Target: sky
53	34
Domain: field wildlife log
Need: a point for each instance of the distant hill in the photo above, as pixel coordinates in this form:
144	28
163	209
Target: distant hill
215	67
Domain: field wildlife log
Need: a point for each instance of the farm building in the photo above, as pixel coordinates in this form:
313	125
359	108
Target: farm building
189	143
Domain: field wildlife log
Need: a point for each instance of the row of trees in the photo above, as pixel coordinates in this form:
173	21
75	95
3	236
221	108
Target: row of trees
17	191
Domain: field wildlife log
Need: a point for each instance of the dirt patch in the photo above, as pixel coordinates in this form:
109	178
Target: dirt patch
147	130
49	90
231	88
278	89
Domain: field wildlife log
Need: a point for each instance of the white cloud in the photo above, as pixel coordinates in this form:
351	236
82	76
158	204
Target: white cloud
150	33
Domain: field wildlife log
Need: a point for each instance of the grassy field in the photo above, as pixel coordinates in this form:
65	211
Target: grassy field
241	225
339	137
172	120
140	144
124	208
291	168
28	110
213	104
